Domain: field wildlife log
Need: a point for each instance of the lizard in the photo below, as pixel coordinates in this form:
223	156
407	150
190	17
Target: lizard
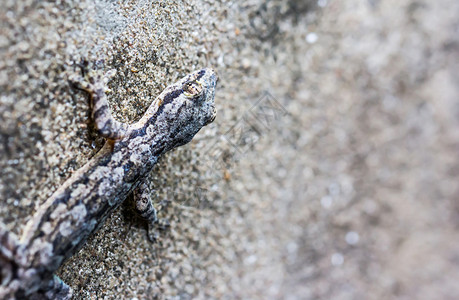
62	224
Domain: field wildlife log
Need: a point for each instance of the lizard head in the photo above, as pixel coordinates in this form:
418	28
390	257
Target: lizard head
199	89
186	106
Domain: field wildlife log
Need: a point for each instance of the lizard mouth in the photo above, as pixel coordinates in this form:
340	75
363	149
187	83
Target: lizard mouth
212	118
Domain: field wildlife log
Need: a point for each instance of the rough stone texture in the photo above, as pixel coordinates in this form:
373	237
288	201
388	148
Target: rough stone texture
341	183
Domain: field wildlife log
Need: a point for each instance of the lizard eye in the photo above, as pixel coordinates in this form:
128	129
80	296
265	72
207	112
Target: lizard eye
192	88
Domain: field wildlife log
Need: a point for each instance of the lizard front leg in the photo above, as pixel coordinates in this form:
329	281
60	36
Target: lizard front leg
96	85
145	209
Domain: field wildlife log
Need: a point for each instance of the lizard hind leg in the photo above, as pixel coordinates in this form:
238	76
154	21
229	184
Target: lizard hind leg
55	288
96	85
145	209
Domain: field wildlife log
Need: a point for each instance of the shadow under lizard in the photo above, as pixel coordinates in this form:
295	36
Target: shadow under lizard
80	206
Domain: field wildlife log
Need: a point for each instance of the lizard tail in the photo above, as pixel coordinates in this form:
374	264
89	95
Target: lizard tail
9	245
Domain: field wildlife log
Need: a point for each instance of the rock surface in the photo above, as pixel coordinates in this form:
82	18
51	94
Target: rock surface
331	171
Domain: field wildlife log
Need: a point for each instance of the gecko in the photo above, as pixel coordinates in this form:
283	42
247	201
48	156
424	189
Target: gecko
62	224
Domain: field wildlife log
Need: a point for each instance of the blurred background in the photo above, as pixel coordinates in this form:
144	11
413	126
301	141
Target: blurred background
331	171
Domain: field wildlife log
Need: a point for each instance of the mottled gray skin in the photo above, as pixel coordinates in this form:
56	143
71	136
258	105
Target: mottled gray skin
80	206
